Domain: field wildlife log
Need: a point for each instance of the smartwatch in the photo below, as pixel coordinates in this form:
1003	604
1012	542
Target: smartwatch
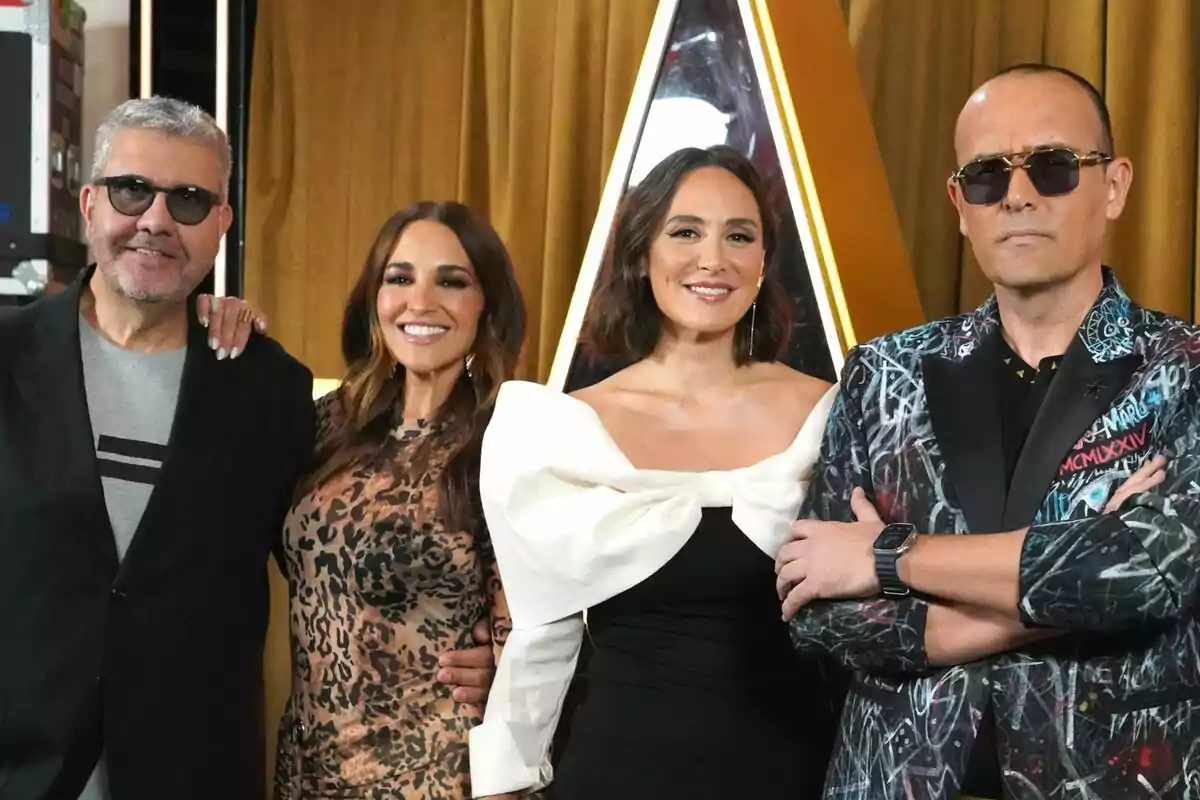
893	541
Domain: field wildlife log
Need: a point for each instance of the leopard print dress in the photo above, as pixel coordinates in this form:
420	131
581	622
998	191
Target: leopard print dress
378	590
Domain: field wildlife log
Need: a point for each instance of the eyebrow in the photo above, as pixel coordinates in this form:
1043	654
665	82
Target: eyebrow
694	220
1046	145
442	268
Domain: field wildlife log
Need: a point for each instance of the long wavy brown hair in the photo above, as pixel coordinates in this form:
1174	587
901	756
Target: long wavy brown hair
372	392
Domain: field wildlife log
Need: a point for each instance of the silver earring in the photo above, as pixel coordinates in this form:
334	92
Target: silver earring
470	359
753	314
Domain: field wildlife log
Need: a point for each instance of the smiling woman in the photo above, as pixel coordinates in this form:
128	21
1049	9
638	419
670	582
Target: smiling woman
655	500
385	550
430	300
693	225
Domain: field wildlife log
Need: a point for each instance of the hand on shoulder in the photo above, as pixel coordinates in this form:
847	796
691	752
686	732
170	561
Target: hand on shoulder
230	321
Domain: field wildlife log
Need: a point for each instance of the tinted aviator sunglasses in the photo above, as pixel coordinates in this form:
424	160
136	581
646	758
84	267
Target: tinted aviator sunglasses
1052	171
132	196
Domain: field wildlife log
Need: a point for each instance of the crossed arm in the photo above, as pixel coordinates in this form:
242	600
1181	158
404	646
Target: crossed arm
982	594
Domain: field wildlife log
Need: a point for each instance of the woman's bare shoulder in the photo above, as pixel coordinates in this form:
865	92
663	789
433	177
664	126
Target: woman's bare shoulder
789	394
801	385
606	391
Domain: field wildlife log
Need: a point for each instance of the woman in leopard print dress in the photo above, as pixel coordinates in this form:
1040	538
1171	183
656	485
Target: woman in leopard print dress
386	554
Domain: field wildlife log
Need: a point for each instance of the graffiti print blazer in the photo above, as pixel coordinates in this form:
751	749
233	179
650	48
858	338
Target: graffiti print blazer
1109	710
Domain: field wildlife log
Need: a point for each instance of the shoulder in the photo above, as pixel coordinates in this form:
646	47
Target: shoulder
1170	351
609	389
902	352
779	377
49	310
330	416
533	425
1157	332
11	338
919	340
12	319
276	365
525	407
38	329
270	354
789	393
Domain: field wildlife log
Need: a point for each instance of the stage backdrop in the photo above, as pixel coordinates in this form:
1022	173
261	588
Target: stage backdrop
358	109
515	106
918	61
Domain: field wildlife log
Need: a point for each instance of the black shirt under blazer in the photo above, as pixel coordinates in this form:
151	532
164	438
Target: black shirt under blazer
156	659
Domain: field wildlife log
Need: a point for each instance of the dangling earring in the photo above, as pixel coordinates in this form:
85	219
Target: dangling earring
470	359
754	314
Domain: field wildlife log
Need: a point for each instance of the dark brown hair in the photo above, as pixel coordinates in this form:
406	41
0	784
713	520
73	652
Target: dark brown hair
373	389
624	322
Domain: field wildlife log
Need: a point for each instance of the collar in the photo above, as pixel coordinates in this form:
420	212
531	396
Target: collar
1106	332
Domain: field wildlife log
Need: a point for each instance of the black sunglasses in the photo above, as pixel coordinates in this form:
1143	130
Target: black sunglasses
1052	171
132	196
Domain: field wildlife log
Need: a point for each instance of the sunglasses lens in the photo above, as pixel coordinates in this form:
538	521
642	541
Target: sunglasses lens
130	196
189	205
984	182
1053	172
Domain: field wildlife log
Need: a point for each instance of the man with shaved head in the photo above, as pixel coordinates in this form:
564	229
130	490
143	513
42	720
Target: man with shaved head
1001	537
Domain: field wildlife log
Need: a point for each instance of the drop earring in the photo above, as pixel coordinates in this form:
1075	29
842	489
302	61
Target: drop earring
754	314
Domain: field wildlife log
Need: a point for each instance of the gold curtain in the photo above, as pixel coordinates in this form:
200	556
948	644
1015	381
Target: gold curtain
511	106
918	61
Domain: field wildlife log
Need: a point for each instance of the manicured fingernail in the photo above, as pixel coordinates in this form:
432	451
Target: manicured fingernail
204	321
221	354
213	343
443	661
443	675
262	326
235	352
216	304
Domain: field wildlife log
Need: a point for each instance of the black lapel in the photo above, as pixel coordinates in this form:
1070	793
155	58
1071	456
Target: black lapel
965	414
1078	395
49	376
201	418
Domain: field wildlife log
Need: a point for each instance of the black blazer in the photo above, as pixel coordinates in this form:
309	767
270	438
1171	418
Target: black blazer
156	659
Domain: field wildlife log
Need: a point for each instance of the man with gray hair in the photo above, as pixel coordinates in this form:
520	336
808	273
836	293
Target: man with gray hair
143	485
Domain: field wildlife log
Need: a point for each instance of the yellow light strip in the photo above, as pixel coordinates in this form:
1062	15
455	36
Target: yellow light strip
222	116
145	51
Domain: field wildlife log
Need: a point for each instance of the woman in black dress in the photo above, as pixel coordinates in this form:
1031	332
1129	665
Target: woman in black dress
655	501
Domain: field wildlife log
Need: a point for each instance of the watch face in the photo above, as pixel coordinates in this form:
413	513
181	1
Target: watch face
892	539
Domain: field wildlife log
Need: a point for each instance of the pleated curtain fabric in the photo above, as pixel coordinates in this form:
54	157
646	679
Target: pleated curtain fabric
918	61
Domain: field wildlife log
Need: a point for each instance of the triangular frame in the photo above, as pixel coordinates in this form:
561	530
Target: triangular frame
847	225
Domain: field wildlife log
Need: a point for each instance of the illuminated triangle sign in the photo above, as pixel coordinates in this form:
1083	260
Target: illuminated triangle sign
774	79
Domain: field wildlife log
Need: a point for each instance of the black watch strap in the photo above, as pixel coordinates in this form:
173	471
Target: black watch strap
889	573
893	541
